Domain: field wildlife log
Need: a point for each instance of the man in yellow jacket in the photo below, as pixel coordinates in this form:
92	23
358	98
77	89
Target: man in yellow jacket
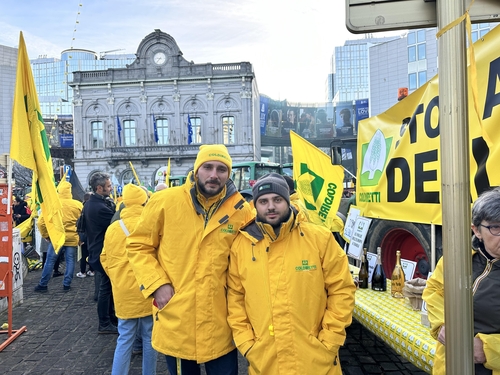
179	252
71	212
290	294
133	311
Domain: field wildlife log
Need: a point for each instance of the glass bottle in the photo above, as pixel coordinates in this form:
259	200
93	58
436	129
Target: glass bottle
379	281
363	272
397	278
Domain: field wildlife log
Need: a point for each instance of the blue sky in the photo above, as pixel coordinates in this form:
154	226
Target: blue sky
289	42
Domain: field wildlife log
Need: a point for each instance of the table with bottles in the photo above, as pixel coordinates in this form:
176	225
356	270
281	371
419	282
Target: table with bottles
395	322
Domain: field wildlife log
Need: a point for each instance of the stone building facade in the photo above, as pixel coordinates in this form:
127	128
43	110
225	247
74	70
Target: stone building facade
159	107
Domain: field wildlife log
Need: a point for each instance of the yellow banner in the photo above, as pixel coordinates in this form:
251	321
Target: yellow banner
30	148
319	183
399	176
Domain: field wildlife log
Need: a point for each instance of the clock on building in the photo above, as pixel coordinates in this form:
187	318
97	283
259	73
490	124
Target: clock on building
159	58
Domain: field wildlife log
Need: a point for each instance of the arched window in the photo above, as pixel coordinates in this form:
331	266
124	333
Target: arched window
129	132
97	134
228	129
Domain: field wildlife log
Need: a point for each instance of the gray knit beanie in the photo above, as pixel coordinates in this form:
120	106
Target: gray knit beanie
271	183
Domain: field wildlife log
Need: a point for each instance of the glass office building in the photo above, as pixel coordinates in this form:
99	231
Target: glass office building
350	69
52	76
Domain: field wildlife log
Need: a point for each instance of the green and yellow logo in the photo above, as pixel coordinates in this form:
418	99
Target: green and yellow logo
374	156
305	267
310	184
229	229
317	193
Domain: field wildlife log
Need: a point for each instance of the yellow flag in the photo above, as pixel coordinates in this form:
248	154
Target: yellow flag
319	183
135	173
167	177
30	148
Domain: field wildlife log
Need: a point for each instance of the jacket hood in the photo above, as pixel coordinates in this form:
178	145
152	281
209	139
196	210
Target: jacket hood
64	190
134	195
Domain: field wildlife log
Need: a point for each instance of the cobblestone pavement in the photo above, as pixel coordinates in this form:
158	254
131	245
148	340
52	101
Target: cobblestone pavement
62	338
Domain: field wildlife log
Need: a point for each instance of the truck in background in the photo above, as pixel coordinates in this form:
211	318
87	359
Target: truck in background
244	175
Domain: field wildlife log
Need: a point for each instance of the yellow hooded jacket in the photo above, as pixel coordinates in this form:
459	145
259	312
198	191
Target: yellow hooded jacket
483	287
290	298
128	299
70	214
173	244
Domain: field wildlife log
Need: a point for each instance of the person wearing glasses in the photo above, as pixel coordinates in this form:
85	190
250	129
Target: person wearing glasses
485	287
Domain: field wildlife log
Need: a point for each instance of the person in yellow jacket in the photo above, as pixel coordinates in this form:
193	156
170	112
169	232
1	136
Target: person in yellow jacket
71	212
290	292
485	287
179	252
133	311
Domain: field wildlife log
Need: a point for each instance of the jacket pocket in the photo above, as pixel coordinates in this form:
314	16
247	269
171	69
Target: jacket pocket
254	356
321	358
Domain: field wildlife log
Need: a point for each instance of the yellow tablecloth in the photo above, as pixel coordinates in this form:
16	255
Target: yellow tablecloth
396	323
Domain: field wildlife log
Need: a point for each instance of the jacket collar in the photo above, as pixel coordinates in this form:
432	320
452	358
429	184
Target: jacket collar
230	190
256	230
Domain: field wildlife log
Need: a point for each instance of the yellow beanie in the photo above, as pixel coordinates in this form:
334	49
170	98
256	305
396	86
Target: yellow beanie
134	195
213	153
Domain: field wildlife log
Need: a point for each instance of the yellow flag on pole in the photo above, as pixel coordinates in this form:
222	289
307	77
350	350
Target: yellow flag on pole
167	177
319	183
135	173
30	148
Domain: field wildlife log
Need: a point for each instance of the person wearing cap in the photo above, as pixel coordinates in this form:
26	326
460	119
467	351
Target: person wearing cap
70	214
133	311
290	292
179	252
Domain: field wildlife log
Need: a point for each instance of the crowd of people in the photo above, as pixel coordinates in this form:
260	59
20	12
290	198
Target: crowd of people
195	273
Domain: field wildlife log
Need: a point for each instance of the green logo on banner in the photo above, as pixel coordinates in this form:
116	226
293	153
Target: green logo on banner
374	157
310	184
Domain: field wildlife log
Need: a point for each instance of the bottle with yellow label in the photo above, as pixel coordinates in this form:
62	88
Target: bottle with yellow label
398	278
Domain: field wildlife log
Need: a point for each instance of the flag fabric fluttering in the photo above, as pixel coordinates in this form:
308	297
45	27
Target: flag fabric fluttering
155	129
319	183
167	177
30	148
190	131
119	130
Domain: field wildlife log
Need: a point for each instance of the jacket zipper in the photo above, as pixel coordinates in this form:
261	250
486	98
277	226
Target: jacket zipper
483	275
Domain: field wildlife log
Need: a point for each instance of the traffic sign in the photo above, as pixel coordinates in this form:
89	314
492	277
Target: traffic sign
67	171
364	16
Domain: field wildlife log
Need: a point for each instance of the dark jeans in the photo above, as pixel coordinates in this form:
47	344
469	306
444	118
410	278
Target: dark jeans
105	301
83	260
225	365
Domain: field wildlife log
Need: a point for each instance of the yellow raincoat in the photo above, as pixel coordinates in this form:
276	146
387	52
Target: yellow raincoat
290	298
71	212
128	299
174	244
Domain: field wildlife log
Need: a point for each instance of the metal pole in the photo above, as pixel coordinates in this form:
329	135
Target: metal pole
455	193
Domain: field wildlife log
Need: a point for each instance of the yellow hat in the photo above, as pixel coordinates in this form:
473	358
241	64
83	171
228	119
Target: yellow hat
134	195
212	153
